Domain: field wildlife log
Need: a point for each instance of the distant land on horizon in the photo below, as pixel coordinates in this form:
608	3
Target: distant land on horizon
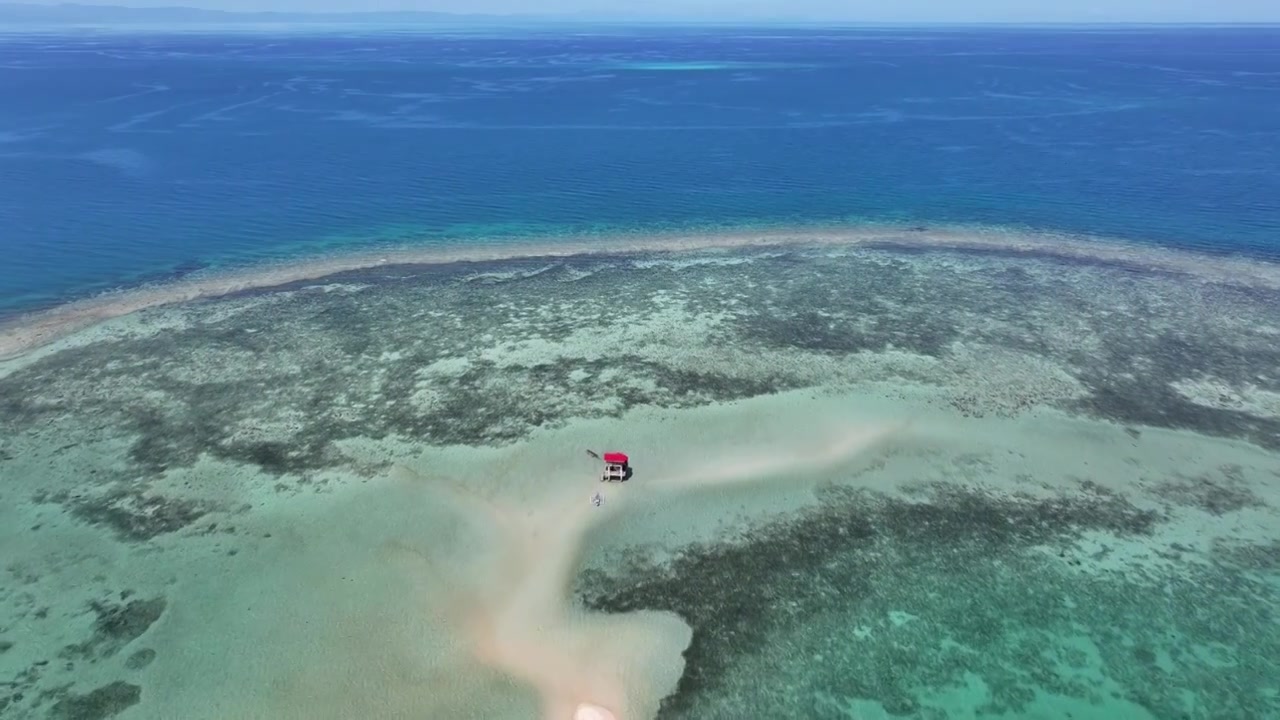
72	14
82	14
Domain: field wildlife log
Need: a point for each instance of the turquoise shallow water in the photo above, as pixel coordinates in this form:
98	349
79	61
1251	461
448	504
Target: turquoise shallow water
900	480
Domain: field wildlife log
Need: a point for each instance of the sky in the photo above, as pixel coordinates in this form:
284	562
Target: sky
818	10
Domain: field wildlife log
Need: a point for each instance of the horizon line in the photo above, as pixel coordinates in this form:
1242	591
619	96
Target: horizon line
63	14
341	19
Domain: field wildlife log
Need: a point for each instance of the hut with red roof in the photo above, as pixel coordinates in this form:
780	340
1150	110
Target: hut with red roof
617	467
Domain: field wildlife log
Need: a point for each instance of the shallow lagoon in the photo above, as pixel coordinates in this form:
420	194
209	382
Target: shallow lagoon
902	477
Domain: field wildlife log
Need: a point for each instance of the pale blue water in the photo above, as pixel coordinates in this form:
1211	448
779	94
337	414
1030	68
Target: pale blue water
130	157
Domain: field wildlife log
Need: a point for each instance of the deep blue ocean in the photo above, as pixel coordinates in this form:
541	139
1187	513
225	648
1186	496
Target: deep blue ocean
130	157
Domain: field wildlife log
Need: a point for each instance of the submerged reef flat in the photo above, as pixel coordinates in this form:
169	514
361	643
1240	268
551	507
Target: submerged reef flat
1059	501
38	329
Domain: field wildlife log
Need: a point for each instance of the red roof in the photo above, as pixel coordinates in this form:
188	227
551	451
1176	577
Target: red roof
615	457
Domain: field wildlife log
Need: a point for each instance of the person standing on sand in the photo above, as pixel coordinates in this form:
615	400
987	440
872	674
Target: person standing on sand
596	499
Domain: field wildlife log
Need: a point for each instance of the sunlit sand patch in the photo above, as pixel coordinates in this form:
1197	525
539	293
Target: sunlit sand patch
1216	394
395	596
526	624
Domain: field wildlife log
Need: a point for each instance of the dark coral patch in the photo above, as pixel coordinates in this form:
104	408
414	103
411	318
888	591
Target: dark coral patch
839	558
115	626
1219	493
136	516
98	704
